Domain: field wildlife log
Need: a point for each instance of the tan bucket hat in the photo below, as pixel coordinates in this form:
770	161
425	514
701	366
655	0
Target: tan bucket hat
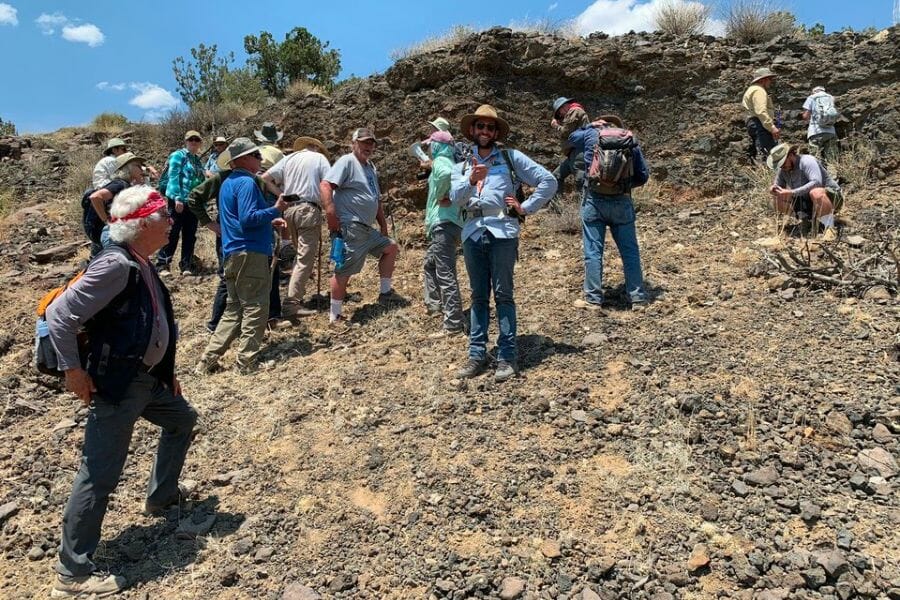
124	159
113	143
220	139
762	73
485	111
778	155
613	120
304	141
192	133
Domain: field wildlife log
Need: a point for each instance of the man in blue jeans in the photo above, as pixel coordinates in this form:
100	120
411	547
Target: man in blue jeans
610	205
485	188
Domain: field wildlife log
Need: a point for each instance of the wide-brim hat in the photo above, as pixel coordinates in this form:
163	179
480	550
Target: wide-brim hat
128	157
778	155
220	140
305	141
485	111
763	73
559	103
113	143
223	160
613	120
268	133
240	147
441	124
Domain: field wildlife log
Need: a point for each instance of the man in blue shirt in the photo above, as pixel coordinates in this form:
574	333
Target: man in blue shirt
246	221
212	166
602	208
485	188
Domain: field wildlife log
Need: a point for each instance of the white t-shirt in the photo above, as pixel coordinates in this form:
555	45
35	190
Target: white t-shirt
814	127
103	172
300	173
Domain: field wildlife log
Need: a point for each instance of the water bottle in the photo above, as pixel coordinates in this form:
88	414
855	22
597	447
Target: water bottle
42	329
337	252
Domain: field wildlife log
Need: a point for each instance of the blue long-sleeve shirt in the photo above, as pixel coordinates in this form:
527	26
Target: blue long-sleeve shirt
497	186
244	215
585	138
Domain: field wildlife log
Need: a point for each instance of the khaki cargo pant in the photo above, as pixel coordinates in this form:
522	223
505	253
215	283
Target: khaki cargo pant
248	279
304	222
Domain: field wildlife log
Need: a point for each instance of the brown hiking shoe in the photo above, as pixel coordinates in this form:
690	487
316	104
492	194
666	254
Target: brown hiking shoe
472	368
97	584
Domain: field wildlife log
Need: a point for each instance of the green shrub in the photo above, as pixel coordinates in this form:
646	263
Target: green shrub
7	128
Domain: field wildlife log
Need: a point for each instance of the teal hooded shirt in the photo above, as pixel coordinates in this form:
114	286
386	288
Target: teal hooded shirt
439	187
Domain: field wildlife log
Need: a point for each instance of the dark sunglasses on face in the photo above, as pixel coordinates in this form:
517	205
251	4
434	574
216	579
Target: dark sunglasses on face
194	139
257	155
486	126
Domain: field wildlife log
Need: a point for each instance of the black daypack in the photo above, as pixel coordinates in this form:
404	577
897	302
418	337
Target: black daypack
163	182
612	165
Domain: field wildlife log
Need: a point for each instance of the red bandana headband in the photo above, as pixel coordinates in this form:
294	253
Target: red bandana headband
153	204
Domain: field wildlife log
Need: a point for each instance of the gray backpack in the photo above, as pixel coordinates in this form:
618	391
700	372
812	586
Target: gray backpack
826	112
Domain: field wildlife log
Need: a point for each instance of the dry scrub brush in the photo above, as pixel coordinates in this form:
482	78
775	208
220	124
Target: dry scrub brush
80	171
547	26
301	88
677	17
109	122
453	36
756	21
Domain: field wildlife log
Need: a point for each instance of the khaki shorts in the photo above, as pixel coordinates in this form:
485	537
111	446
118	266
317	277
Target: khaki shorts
359	240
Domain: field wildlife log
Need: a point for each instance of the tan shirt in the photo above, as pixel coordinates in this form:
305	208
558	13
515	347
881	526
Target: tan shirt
758	104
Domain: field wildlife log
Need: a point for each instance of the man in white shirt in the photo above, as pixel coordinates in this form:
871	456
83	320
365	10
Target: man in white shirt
299	176
822	136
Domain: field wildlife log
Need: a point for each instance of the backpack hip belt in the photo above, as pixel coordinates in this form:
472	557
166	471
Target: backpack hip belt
477	213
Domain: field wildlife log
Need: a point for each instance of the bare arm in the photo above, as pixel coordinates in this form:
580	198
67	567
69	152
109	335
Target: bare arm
98	201
326	189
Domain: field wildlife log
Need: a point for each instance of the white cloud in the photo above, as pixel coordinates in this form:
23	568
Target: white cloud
152	97
87	33
616	17
8	15
48	24
552	7
116	87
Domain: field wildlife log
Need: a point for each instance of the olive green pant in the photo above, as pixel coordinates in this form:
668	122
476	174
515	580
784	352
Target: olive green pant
248	277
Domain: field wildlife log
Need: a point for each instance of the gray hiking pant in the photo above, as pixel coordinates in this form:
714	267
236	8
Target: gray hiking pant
107	435
441	285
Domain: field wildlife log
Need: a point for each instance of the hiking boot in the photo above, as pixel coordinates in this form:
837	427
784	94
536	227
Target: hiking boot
505	370
207	366
580	303
433	310
98	584
829	235
153	509
473	367
390	298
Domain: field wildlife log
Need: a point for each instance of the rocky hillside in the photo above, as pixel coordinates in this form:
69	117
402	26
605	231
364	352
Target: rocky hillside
739	438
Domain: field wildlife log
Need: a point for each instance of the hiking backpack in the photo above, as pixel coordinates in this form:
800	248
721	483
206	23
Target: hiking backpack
45	358
612	165
826	112
163	181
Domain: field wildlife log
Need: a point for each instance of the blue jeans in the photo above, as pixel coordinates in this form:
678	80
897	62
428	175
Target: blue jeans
490	262
617	213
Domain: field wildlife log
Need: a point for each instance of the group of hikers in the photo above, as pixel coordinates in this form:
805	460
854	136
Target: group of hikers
266	202
803	187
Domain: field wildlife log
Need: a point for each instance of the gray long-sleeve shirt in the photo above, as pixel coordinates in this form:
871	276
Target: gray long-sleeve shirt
806	175
104	279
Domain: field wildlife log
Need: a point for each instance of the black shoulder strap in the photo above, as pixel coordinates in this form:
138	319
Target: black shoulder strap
504	152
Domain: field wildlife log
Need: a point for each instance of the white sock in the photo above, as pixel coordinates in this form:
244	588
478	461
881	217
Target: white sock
827	220
385	285
335	310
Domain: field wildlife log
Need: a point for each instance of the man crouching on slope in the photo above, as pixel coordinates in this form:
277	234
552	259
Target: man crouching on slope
486	190
129	373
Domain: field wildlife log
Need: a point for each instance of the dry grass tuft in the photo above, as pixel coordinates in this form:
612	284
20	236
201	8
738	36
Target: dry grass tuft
856	162
454	36
564	214
677	17
79	171
757	21
109	122
6	202
301	88
547	26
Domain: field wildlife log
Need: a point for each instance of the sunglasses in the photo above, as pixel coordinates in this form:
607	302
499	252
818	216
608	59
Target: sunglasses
257	155
485	126
194	139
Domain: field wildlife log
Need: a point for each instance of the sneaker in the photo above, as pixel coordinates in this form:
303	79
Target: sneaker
505	370
298	311
187	273
580	303
98	584
152	509
473	367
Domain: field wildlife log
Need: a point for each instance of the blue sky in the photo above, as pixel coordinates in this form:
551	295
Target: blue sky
58	53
